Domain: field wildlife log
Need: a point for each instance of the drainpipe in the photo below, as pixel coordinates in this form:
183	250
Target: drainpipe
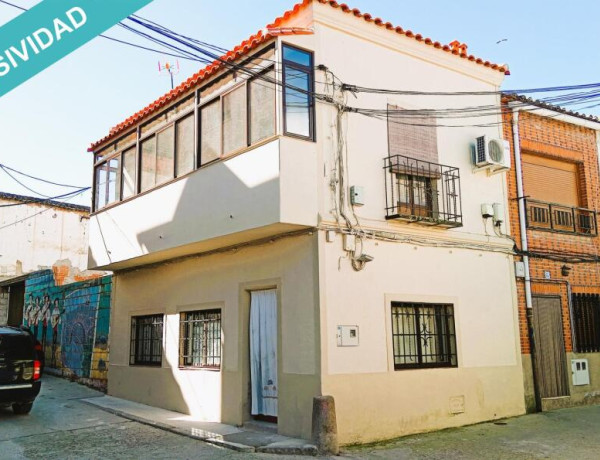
525	248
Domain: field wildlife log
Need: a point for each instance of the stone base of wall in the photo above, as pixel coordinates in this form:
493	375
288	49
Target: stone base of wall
578	395
96	384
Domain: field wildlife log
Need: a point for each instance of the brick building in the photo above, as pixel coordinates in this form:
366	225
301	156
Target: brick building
554	197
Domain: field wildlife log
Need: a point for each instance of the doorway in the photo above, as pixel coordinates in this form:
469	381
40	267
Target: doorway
550	362
263	355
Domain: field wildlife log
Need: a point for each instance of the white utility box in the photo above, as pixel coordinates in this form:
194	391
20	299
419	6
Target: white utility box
581	371
347	336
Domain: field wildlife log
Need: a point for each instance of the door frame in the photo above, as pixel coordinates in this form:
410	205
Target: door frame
538	375
244	342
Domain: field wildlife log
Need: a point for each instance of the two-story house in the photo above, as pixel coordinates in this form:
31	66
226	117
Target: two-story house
280	229
554	190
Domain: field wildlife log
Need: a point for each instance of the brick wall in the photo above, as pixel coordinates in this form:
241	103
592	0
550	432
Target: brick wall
78	346
556	139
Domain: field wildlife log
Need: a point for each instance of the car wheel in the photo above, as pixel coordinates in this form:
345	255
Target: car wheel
22	408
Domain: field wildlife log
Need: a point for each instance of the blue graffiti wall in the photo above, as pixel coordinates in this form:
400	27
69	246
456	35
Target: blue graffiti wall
72	324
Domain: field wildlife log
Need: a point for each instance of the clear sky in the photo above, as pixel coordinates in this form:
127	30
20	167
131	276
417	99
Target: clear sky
47	123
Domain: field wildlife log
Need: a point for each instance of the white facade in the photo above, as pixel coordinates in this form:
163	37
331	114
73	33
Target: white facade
271	217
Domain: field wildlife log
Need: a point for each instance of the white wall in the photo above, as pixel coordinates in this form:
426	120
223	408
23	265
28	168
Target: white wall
33	236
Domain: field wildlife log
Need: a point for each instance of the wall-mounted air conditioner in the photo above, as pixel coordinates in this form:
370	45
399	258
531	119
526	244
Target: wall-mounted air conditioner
490	154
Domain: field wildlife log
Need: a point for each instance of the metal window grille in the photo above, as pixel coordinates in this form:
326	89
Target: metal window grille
586	312
146	340
421	191
423	335
200	339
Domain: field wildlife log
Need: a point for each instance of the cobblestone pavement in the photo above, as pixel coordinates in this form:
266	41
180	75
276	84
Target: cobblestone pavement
60	426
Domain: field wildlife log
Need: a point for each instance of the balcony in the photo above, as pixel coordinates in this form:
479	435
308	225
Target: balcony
422	192
559	218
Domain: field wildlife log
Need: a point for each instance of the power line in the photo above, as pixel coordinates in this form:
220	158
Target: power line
50	201
3	166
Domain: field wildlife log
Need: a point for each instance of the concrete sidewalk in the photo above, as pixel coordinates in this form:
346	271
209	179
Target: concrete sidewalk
241	439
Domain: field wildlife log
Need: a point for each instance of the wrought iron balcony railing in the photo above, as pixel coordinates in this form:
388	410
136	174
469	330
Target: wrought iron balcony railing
423	192
559	218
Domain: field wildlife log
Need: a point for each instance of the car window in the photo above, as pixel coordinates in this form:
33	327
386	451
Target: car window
16	347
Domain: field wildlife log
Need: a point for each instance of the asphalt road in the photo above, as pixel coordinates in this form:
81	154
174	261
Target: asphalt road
61	426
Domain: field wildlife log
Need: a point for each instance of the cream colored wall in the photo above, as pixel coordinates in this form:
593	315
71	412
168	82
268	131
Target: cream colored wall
393	403
45	236
232	200
374	401
223	281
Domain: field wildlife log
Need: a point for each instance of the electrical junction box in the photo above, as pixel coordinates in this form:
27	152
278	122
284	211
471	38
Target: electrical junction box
357	195
498	213
519	269
487	211
581	371
347	336
349	242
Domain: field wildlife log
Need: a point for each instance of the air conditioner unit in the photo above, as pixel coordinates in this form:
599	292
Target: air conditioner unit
491	154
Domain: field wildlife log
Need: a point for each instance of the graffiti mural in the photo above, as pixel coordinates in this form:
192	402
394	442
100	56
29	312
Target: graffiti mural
71	322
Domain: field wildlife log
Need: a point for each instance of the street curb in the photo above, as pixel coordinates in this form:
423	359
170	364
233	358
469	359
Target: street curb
210	440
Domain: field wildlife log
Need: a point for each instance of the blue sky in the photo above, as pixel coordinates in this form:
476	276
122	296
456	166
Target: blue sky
47	123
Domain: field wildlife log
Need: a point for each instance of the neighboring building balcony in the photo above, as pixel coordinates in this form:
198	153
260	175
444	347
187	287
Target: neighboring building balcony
560	218
422	192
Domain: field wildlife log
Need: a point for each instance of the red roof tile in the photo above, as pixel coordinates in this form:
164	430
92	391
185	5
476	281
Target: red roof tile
271	31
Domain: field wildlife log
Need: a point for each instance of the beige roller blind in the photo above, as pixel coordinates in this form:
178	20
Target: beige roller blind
549	180
411	135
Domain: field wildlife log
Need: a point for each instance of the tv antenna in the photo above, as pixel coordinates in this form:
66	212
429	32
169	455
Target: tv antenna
169	67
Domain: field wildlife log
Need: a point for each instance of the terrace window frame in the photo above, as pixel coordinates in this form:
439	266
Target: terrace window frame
141	325
194	110
310	71
209	355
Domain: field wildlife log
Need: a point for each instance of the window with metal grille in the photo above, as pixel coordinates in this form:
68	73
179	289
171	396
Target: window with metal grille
146	340
423	335
200	339
586	322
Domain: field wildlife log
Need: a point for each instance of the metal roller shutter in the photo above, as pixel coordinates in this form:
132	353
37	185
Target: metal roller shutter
550	180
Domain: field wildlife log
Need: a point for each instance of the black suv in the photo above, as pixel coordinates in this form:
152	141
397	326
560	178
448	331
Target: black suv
20	370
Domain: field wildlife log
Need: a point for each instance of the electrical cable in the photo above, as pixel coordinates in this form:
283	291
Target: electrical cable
3	166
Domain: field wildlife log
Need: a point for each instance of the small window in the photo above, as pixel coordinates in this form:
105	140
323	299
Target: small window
114	180
298	99
128	177
416	195
146	340
100	186
423	335
185	145
200	339
262	107
210	132
234	120
148	166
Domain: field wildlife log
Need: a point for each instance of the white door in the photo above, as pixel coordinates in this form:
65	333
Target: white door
263	352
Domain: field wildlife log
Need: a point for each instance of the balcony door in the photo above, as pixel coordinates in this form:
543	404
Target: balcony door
263	354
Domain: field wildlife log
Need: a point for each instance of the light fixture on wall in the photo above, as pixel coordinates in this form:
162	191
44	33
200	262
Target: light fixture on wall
565	270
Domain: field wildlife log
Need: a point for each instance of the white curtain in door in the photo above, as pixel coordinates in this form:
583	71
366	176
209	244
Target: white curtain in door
263	352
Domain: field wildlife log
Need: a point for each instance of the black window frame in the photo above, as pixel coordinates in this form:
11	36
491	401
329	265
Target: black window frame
211	322
310	71
444	341
586	322
136	355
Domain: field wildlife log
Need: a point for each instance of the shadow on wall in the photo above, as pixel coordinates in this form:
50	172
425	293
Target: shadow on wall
72	324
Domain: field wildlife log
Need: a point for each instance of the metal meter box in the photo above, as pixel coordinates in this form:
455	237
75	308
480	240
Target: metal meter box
347	336
581	371
357	195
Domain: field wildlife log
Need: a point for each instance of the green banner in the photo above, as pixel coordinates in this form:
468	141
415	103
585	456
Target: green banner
52	29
